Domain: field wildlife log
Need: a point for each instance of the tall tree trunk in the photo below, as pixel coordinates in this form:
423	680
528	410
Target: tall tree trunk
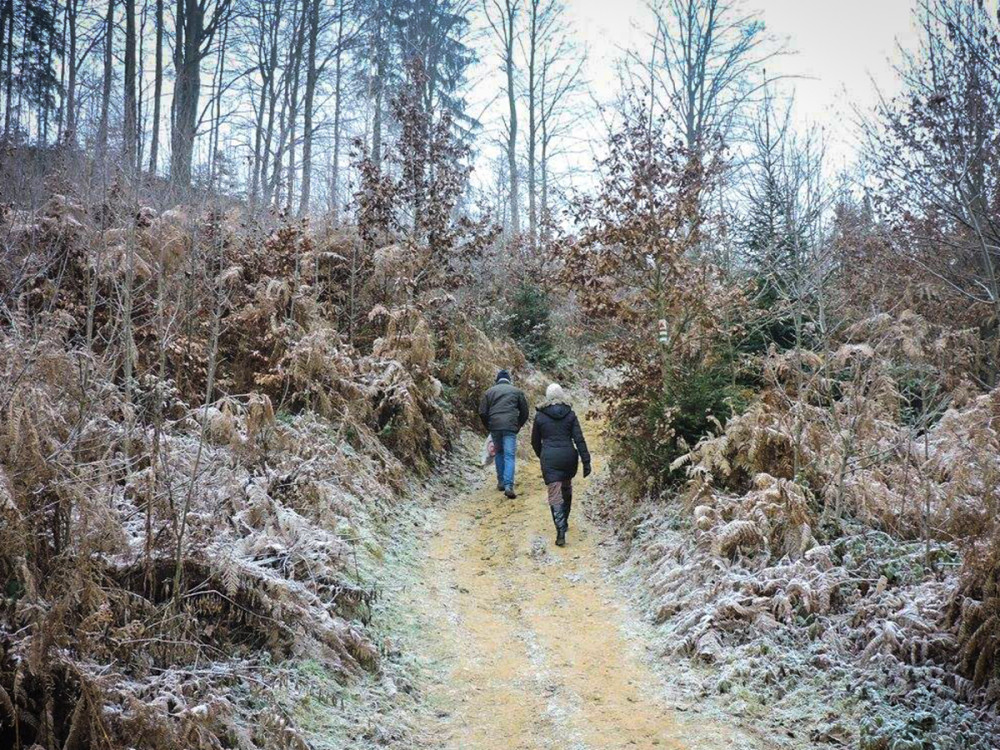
191	43
140	102
277	167
272	103
543	163
532	123
109	35
43	117
130	124
61	111
258	138
10	69
24	66
338	77
504	27
265	118
216	104
379	83
187	90
312	74
293	103
154	148
515	218
6	6
287	116
6	55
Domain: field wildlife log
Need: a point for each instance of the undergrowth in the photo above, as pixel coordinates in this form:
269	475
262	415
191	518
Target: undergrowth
827	547
200	443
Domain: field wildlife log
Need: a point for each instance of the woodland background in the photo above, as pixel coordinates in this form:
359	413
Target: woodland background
258	266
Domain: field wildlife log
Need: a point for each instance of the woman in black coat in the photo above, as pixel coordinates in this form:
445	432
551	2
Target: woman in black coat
557	440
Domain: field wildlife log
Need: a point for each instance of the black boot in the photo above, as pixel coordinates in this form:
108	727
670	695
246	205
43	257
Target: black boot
509	492
559	519
567	496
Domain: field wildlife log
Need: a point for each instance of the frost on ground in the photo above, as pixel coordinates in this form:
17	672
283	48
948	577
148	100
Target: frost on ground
858	605
387	707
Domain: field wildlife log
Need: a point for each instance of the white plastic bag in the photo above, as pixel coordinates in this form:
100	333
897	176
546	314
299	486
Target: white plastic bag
489	451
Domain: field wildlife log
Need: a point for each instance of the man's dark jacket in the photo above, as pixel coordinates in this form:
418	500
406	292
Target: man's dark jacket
557	440
503	408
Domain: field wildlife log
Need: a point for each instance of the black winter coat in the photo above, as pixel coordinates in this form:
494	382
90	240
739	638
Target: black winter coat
503	408
558	441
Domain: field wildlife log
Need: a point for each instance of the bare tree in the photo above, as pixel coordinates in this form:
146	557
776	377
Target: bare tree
704	52
154	149
541	17
263	42
102	128
283	172
560	81
313	70
197	21
338	77
218	91
936	158
7	19
293	100
379	44
317	67
72	69
130	124
502	16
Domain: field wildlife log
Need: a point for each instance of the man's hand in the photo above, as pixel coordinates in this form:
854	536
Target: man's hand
586	470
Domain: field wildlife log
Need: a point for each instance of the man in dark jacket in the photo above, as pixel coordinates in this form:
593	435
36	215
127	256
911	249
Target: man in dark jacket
557	439
504	411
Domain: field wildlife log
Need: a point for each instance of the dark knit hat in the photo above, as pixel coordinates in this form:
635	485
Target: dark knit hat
503	375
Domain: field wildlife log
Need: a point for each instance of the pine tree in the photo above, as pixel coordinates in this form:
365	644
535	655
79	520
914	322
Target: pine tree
42	47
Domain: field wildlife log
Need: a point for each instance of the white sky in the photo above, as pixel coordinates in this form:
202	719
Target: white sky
839	46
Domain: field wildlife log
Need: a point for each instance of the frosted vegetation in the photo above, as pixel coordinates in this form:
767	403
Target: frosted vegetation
242	344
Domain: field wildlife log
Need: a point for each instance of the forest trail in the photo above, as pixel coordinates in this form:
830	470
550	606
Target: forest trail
528	640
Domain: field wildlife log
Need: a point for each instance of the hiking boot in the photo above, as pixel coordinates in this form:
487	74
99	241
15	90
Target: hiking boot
500	487
509	492
561	538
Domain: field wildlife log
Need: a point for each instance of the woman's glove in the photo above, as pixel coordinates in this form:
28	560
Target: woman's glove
586	470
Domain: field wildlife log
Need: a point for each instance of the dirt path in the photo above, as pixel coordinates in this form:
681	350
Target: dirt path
527	639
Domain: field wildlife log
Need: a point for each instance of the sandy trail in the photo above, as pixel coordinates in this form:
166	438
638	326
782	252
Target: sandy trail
527	639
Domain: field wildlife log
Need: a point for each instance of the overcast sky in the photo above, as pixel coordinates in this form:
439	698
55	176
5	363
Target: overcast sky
839	46
838	52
